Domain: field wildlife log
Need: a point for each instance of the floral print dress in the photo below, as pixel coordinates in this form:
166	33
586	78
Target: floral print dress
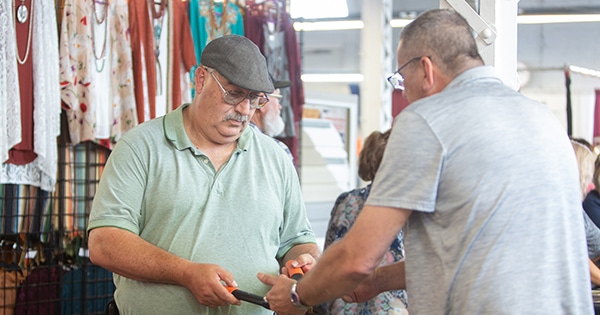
343	215
79	72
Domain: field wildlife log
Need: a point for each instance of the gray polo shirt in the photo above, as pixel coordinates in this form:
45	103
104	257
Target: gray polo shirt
493	182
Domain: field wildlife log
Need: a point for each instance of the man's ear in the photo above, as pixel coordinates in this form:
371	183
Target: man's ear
200	78
429	73
434	79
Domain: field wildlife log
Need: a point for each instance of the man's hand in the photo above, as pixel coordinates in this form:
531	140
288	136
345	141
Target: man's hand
365	291
205	281
304	261
279	296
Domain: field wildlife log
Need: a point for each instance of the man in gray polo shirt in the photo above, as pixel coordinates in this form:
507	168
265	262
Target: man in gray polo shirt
194	200
487	184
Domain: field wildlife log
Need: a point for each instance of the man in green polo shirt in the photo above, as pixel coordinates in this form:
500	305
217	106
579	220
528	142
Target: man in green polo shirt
195	201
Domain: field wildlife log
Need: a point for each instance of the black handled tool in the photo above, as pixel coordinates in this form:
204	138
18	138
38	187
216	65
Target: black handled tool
249	297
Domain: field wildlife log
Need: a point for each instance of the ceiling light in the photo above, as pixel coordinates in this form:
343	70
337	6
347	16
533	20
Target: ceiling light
585	71
334	77
398	23
329	25
317	9
557	18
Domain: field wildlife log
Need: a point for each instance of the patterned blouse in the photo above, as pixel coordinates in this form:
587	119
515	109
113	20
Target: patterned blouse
96	92
344	213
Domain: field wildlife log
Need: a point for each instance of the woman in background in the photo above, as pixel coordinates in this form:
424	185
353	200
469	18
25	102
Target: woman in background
591	203
347	207
585	163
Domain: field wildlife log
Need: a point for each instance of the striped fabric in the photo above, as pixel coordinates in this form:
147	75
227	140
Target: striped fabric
31	210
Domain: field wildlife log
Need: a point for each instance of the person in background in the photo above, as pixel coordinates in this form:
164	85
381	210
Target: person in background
486	182
586	143
195	201
268	118
345	210
591	203
592	149
585	163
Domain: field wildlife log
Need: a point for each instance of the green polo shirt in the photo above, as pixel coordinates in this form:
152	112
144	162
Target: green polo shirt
244	217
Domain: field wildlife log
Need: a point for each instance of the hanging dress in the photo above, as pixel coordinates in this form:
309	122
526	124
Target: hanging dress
96	76
38	167
182	57
10	100
210	20
274	34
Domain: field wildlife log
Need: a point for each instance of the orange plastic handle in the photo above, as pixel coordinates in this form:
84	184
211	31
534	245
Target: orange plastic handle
230	289
293	272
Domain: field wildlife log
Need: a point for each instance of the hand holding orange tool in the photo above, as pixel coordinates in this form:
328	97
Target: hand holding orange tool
293	272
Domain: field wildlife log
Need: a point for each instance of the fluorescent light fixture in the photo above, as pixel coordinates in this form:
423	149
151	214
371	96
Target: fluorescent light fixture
334	77
557	18
317	9
396	23
399	22
329	25
585	71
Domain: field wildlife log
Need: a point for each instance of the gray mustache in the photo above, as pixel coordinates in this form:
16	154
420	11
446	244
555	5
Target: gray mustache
238	117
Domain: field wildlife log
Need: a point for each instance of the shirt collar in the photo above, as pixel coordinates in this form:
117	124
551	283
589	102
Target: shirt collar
476	73
175	130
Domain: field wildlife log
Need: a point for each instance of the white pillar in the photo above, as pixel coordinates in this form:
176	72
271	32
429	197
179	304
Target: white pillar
376	60
495	27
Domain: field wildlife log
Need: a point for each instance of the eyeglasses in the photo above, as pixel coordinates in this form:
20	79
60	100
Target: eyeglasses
235	97
397	79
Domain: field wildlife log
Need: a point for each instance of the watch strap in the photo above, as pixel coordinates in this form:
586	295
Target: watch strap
295	298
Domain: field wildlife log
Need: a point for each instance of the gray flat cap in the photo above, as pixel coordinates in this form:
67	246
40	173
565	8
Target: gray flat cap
239	60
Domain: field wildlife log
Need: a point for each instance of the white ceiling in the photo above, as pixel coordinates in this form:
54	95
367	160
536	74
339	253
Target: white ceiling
539	46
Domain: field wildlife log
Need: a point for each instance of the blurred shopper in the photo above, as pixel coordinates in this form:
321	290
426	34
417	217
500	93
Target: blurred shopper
591	203
268	118
347	207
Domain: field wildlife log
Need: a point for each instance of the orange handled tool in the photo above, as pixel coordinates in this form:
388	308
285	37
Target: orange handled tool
297	273
248	297
293	272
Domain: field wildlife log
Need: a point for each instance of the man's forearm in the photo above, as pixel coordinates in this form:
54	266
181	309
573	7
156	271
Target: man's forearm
124	253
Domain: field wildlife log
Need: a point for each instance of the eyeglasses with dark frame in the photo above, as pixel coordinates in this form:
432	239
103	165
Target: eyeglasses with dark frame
235	97
397	79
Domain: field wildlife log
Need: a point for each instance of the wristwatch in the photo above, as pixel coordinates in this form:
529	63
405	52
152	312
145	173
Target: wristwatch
296	298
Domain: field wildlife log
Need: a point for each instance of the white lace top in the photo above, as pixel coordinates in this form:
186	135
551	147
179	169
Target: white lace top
46	97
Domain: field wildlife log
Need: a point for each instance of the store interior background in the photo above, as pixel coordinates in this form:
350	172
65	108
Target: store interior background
328	159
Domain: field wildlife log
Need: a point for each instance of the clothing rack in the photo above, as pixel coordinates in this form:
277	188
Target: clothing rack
43	234
44	267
